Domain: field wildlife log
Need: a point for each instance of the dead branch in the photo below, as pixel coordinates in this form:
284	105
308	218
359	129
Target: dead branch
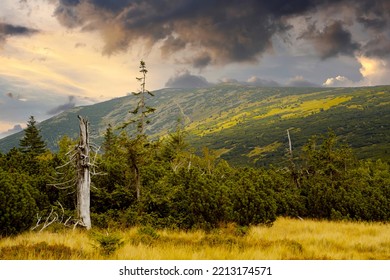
67	220
38	222
68	162
58	185
49	220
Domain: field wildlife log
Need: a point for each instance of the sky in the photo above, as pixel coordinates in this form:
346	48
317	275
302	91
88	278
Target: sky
58	54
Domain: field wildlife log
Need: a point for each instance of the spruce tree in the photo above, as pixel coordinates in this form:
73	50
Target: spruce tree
142	111
137	148
32	142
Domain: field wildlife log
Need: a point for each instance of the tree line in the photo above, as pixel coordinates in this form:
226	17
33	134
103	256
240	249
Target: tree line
166	184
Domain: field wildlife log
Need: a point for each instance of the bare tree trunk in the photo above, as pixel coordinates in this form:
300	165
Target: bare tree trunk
291	159
289	143
83	176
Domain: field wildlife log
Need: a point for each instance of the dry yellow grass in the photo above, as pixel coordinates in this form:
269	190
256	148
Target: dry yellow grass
287	239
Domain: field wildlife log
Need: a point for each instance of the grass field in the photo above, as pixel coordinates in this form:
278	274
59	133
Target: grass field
287	239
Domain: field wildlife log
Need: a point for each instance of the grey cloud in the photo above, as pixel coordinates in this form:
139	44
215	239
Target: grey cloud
63	107
15	96
379	47
200	61
332	41
13	130
80	45
221	32
256	81
172	45
7	30
187	80
225	31
299	81
252	81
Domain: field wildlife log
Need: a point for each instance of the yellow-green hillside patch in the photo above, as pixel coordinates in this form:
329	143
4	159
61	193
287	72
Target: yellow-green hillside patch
258	151
284	107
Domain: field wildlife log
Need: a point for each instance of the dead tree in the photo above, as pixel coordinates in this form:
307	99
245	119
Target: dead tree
293	168
81	168
83	175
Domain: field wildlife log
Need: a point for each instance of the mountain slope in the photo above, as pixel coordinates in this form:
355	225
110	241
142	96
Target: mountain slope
247	125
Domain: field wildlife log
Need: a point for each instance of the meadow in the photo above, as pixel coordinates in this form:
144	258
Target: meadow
287	239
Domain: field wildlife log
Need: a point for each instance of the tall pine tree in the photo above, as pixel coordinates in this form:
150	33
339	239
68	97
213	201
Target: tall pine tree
32	142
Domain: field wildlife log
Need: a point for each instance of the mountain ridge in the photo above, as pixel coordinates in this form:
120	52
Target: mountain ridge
246	124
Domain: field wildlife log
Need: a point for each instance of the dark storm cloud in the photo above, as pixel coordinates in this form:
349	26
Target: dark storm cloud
187	80
332	41
201	60
63	107
7	30
172	45
220	31
378	47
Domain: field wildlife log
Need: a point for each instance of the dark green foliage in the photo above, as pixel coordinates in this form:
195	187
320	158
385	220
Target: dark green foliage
17	205
201	202
334	185
32	142
183	190
253	199
106	242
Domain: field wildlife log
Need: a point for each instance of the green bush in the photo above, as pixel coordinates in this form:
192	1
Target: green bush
106	242
253	201
201	201
17	205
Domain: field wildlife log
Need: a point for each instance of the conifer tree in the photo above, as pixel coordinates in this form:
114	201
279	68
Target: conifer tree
137	147
109	139
142	111
32	142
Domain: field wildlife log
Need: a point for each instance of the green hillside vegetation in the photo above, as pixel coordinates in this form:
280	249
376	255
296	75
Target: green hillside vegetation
182	190
247	124
255	133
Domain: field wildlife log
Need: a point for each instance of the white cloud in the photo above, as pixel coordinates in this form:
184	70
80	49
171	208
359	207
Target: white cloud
339	81
374	70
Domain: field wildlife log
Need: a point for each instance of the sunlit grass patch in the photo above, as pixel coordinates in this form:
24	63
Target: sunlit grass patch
286	239
257	151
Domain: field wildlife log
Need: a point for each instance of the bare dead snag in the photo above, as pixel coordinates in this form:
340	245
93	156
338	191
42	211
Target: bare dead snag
83	175
77	176
291	159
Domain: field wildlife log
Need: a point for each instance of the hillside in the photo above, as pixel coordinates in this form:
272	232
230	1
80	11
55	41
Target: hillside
247	125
